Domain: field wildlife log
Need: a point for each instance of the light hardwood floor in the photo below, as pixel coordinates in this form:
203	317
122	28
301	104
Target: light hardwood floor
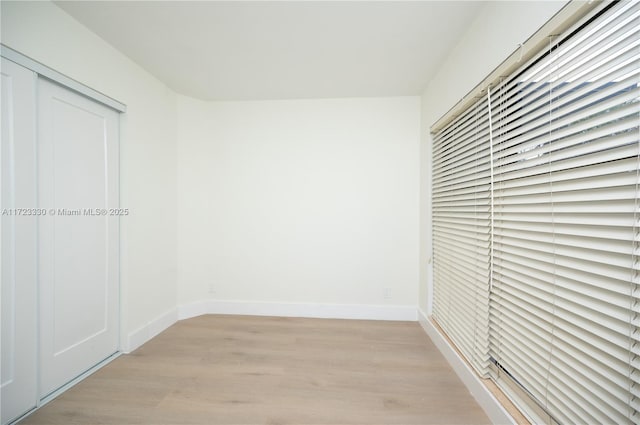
219	369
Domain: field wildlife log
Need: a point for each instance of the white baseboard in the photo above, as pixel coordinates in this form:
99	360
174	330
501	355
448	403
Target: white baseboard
151	329
252	308
322	311
492	407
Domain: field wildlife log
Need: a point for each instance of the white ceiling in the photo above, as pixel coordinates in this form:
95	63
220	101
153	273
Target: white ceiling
237	50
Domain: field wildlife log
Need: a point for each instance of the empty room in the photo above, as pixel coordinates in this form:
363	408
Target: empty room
320	212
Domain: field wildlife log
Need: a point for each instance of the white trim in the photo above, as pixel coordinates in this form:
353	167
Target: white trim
194	309
70	83
322	311
151	329
492	407
255	308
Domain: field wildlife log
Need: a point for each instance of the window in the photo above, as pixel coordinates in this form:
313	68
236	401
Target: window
536	220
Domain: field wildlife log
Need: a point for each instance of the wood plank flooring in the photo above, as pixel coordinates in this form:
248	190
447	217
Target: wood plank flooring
220	369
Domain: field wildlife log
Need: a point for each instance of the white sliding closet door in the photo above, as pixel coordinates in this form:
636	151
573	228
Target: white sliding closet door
78	238
18	371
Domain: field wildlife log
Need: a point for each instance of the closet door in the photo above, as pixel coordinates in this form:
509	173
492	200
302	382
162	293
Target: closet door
78	238
18	373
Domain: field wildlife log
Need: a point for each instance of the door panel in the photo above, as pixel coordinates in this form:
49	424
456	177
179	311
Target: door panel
78	238
18	372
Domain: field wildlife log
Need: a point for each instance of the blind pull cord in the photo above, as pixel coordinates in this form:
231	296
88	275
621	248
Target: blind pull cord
491	190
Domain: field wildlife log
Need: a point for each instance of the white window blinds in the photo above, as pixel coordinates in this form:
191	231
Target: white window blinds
461	221
564	310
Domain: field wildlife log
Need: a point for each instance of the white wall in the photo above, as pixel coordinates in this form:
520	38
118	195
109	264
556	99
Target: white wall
279	201
287	201
490	39
45	33
300	201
